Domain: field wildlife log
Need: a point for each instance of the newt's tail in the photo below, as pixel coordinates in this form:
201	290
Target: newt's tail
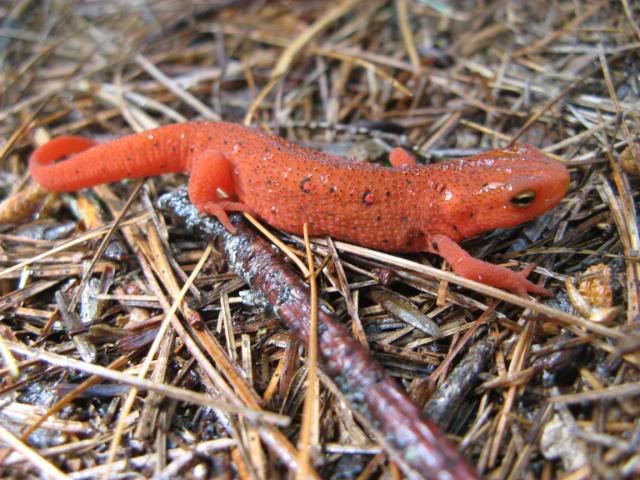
41	163
71	163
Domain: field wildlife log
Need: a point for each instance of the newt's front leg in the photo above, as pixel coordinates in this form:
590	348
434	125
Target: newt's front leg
472	268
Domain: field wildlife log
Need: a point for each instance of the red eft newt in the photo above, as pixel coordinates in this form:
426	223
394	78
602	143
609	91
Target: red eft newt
403	208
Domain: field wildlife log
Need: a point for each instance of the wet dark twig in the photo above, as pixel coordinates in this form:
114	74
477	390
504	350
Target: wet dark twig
419	445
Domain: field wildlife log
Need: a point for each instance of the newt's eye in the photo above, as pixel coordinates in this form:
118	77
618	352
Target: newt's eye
524	199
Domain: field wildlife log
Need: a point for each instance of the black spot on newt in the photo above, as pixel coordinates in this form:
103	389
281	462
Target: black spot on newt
367	198
305	185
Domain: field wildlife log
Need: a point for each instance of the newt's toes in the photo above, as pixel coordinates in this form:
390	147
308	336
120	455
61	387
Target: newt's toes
526	286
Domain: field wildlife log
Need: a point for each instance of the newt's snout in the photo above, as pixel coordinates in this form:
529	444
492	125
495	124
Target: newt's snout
503	188
541	183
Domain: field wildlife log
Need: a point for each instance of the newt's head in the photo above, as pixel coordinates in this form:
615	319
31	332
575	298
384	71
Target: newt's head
501	188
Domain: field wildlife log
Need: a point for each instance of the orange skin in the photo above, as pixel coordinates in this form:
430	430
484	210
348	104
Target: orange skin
404	208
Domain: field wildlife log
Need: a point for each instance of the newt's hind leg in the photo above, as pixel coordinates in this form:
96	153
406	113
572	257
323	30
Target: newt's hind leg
211	187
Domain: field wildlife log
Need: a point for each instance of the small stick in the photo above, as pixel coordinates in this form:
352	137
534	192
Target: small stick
413	441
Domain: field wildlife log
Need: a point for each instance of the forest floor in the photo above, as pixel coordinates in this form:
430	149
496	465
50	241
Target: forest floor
138	340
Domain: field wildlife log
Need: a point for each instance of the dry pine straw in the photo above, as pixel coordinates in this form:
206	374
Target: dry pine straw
547	390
